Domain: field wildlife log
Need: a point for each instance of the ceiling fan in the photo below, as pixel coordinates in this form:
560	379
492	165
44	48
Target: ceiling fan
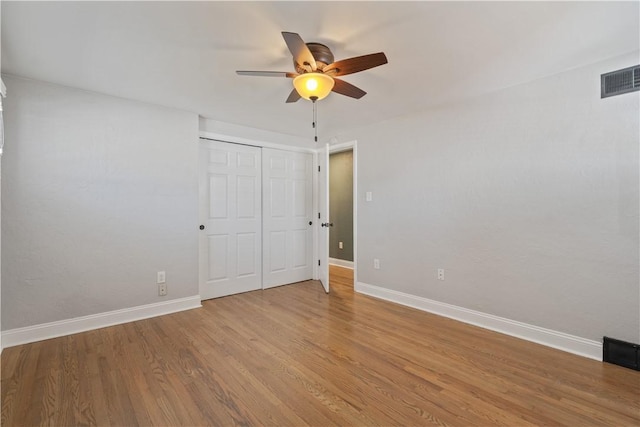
316	70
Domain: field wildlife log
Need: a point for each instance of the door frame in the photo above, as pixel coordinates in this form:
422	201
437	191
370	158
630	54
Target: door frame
337	148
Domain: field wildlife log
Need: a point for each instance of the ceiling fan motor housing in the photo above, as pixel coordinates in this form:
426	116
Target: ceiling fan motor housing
321	53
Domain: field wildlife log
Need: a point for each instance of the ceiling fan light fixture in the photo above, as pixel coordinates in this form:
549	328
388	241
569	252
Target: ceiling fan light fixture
313	85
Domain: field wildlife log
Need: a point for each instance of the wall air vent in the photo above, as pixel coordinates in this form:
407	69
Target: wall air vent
621	353
619	82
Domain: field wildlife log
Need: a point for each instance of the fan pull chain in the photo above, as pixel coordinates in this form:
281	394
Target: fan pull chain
315	121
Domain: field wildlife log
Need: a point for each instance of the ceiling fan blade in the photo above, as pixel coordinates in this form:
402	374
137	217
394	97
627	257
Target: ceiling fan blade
301	53
356	64
293	96
267	73
344	88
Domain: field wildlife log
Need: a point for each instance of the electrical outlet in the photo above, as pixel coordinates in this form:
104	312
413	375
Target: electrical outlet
162	289
376	263
441	274
162	277
340	246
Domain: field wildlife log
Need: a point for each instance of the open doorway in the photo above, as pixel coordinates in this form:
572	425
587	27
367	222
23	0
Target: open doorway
342	241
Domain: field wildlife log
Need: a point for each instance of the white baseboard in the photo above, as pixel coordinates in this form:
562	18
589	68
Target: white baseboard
341	263
61	328
559	340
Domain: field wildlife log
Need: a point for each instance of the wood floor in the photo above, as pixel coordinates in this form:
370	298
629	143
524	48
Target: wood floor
293	356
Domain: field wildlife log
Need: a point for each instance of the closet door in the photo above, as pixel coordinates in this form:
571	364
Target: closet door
287	217
230	212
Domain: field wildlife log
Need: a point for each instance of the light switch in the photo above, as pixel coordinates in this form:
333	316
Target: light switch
369	196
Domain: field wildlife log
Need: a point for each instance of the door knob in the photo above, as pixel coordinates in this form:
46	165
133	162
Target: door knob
201	227
310	222
326	224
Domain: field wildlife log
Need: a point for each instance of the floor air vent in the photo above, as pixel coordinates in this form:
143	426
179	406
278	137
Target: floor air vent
619	82
621	353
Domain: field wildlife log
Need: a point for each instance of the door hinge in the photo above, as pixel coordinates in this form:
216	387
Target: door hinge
318	215
318	168
318	262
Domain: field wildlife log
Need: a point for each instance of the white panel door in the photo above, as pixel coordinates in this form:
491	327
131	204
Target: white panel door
287	217
230	212
324	221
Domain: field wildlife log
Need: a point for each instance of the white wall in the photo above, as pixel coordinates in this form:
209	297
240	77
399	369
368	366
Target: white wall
98	194
528	197
253	136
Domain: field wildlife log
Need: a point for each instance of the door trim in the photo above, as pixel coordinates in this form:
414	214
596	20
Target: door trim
255	143
337	148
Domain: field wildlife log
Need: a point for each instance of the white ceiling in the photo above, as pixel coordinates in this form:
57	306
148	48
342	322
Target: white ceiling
184	55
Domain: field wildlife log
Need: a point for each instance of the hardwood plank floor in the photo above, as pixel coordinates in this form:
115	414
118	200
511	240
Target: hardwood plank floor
295	356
